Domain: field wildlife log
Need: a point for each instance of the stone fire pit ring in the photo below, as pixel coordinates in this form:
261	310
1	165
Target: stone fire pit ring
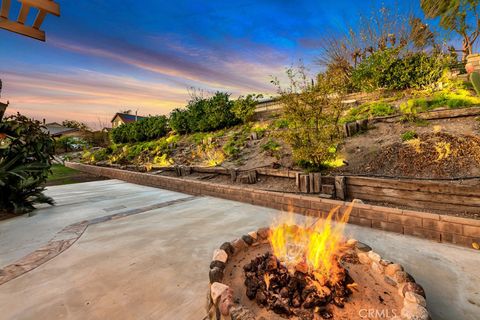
222	304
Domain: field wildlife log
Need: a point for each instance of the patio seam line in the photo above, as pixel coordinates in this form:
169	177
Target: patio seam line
66	237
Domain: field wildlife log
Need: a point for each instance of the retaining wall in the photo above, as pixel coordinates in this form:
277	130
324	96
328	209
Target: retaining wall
432	226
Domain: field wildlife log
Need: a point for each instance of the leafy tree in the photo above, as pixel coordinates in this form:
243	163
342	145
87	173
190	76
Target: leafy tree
312	110
25	159
178	121
143	130
244	107
75	124
461	16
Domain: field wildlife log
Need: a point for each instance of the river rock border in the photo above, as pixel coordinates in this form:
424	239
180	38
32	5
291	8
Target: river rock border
221	304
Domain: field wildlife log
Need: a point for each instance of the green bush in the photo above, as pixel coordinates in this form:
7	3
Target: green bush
206	114
144	130
408	135
390	69
26	152
244	107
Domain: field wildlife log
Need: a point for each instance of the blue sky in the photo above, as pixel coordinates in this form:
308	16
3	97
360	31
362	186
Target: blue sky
102	56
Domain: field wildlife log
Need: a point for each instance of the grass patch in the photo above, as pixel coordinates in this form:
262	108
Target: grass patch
368	110
408	135
62	175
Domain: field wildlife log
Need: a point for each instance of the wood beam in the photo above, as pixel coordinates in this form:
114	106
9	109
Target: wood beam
23	14
45	5
5	9
22	29
39	19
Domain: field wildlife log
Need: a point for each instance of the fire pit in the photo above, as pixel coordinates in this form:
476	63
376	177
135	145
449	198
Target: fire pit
308	271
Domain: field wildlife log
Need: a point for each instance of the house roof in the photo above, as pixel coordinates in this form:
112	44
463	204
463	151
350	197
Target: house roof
127	118
56	129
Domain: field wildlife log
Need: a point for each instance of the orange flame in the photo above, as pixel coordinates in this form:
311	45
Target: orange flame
317	245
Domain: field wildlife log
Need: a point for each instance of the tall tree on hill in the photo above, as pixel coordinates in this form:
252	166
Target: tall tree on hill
461	16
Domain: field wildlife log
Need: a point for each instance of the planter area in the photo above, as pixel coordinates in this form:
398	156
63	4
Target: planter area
441	228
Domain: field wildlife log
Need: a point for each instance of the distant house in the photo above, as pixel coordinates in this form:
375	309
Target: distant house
56	130
123	118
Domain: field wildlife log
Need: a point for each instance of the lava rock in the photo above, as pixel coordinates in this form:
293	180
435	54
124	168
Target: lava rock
281	307
261	298
216	275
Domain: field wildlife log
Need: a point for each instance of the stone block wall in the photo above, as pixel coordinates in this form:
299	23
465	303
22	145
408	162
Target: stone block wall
441	228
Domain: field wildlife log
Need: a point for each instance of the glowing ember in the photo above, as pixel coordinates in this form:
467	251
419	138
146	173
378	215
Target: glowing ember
317	246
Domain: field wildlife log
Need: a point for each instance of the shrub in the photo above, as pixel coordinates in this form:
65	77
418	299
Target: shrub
244	107
26	152
390	69
408	135
144	130
312	111
69	144
214	113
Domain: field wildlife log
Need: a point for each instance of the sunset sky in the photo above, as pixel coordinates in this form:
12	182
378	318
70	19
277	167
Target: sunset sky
103	56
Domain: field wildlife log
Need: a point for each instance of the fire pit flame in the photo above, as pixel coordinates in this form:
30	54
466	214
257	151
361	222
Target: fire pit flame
315	247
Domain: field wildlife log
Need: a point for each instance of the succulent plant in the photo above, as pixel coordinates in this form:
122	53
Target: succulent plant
475	80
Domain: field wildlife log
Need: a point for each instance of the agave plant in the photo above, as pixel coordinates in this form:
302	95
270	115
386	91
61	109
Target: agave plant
25	160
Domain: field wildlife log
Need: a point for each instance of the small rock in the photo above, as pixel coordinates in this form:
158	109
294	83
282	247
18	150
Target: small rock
217	264
400	276
228	248
385	262
374	256
413	287
216	275
220	255
390	281
263	233
253	234
352	243
363	247
216	290
412	297
392	268
414	311
226	302
363	258
377	267
241	313
248	239
238	245
302	267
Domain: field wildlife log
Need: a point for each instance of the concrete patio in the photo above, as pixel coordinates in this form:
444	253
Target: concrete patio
154	265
